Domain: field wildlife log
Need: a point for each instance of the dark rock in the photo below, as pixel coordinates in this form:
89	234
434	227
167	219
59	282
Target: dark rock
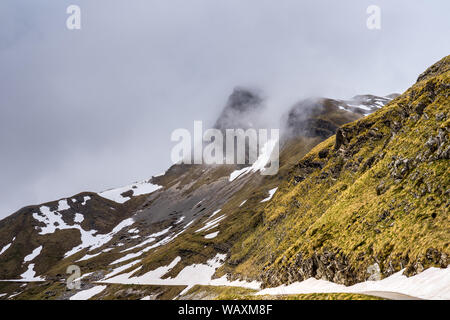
375	135
440	116
340	139
381	188
128	193
323	153
383	216
432	144
298	179
369	162
433	255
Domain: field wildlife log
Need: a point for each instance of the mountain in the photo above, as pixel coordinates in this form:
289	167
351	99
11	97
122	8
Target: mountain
242	109
358	197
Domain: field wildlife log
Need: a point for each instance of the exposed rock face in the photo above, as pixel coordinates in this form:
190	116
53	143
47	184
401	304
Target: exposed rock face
335	267
316	117
327	266
322	116
242	109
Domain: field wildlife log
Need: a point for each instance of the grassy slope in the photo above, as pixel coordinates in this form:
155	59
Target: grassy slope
310	296
357	206
236	293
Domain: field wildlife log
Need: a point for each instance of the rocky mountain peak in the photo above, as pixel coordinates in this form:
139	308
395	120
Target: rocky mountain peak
243	100
321	117
241	107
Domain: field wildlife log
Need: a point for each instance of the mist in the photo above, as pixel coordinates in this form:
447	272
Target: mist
91	109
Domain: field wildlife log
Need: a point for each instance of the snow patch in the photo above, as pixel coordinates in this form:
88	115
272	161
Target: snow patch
53	221
184	291
63	205
33	255
433	283
223	281
87	294
30	274
212	235
89	256
85	199
84	276
138	188
159	174
213	214
89	240
78	218
7	246
361	106
120	269
271	193
128	257
151	238
196	274
180	220
236	173
211	224
260	163
159	243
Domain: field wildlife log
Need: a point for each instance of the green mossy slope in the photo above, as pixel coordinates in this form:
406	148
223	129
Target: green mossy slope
366	203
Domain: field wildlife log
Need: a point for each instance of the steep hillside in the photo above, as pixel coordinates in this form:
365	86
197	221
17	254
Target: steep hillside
364	204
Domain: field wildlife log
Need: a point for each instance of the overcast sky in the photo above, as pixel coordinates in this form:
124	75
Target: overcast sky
94	108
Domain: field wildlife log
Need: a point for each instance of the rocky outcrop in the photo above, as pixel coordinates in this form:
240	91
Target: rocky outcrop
241	110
